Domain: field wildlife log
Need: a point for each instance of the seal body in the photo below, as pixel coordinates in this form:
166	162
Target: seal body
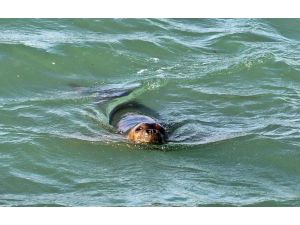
130	120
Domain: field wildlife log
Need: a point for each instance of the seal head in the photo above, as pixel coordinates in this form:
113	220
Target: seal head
132	120
147	133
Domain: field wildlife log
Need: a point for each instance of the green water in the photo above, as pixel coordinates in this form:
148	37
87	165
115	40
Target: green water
228	89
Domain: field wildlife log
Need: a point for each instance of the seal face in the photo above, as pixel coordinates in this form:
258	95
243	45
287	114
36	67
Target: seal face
142	129
148	133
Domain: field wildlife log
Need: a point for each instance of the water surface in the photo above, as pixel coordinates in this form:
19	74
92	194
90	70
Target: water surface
228	89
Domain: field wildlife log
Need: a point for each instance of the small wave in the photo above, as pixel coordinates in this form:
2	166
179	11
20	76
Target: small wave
46	97
275	203
213	138
148	47
41	205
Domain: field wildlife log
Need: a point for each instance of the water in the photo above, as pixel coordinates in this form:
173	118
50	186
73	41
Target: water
227	88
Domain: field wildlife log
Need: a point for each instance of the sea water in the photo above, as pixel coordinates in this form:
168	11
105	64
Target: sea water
227	89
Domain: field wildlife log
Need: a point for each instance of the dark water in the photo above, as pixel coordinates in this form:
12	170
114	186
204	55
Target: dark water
228	88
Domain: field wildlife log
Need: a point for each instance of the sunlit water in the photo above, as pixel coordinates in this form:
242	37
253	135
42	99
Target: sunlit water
228	90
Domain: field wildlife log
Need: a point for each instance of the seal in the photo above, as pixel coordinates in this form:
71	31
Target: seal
134	120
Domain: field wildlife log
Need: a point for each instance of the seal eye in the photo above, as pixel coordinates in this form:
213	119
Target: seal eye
138	129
